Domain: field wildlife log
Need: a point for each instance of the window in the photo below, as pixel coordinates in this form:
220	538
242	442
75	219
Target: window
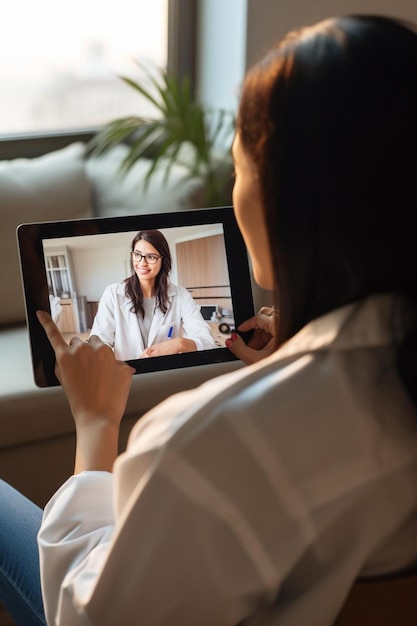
60	61
58	273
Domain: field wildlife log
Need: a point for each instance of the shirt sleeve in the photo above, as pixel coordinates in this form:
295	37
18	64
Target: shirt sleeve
73	540
104	322
167	554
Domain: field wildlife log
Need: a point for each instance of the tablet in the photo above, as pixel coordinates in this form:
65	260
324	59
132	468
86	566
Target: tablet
67	265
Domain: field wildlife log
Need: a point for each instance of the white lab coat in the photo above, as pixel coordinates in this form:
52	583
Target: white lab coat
256	498
118	327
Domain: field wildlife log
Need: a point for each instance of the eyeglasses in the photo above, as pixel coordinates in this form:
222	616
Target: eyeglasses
150	259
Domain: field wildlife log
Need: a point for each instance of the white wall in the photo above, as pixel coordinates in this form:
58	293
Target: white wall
234	34
221	51
98	261
269	20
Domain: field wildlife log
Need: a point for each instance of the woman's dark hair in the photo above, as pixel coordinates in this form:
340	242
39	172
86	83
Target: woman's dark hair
329	118
133	289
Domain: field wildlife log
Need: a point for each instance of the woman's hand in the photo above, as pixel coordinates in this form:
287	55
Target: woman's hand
97	387
263	340
177	345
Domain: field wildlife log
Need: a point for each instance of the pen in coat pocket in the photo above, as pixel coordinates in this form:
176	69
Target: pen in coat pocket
171	328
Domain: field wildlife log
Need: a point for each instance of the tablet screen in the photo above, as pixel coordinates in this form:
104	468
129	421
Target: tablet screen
77	271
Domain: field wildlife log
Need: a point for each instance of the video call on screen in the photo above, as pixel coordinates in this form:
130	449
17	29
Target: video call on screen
79	268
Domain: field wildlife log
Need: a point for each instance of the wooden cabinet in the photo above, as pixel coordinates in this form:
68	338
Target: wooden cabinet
67	321
202	269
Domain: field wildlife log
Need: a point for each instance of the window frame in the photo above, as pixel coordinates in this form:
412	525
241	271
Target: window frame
182	24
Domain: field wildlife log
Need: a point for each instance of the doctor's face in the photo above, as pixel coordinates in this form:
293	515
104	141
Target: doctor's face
146	262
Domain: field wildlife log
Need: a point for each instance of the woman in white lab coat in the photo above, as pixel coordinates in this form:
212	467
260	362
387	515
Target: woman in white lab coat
146	315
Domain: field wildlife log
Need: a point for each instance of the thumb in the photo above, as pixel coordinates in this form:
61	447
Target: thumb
238	347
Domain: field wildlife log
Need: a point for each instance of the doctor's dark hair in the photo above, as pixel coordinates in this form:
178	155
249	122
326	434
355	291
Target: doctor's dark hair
329	117
133	289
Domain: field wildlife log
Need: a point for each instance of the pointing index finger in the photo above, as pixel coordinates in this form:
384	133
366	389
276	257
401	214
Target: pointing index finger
52	332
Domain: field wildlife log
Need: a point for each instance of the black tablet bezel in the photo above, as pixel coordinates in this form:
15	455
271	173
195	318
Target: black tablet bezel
30	237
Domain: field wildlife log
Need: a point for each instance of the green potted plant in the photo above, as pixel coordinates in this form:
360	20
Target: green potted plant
183	131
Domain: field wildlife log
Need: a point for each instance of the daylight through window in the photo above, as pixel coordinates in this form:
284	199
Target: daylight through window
60	61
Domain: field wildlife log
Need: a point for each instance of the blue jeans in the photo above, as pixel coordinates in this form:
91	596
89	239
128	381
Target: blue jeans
20	589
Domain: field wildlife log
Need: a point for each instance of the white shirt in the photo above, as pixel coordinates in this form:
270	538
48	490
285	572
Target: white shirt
257	498
118	326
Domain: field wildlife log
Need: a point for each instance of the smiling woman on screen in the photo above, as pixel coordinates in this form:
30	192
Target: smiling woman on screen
146	315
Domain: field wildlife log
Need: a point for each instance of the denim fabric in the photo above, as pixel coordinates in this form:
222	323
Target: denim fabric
20	590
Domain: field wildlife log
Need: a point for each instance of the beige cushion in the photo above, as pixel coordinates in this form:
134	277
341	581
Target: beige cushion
28	412
51	187
116	194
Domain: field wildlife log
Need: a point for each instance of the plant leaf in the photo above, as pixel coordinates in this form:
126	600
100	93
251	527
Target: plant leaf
180	120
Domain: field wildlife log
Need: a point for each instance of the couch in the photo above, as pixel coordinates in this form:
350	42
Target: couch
37	431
